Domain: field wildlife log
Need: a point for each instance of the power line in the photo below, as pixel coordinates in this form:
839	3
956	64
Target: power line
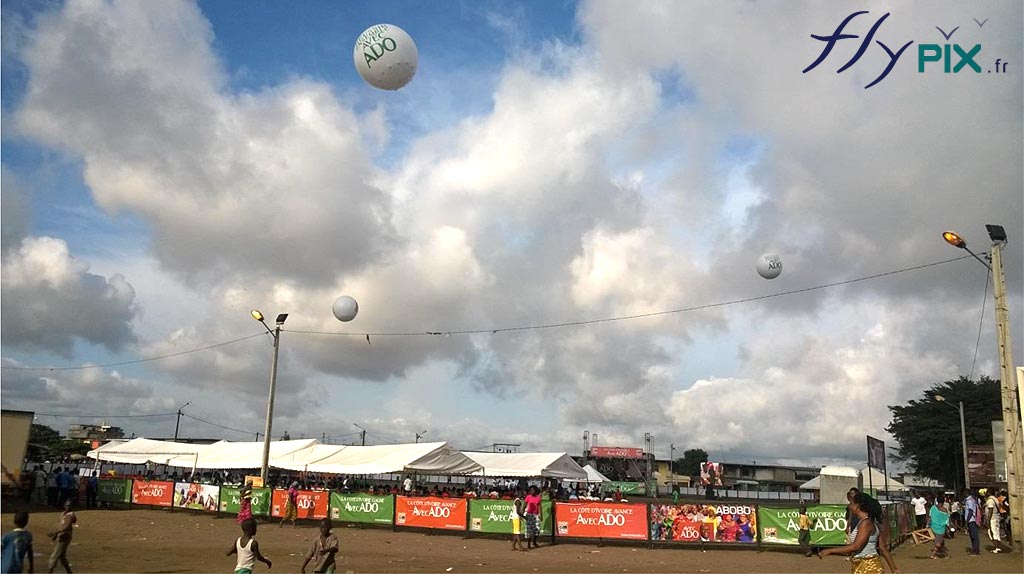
59	416
217	424
148	359
981	321
495	331
630	317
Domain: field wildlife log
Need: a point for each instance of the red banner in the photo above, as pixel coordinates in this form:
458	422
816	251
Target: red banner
312	504
153	493
616	452
599	520
431	512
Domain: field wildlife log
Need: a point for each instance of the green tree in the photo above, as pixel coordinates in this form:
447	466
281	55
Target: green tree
927	431
689	464
46	443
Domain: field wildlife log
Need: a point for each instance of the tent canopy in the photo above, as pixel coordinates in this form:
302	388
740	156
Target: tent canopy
548	464
878	481
594	475
235	455
143	450
423	458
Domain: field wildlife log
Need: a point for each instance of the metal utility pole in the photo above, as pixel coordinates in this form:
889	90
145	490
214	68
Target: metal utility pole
362	434
178	422
419	435
963	441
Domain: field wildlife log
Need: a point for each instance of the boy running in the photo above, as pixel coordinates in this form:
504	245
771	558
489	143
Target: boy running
323	551
248	549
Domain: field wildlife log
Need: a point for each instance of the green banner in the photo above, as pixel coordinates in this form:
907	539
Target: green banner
782	525
115	490
638	488
230	500
495	516
365	508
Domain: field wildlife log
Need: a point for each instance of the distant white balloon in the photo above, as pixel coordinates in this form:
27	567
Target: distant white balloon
769	266
386	56
345	308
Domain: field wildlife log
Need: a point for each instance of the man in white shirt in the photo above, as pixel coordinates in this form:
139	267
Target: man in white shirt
920	510
407	485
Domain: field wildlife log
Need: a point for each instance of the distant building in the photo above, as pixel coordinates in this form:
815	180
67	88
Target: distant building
766	477
93	434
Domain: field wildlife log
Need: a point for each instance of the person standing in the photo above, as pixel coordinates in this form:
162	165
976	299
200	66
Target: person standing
17	546
62	538
291	507
516	517
92	491
851	519
324	549
806	523
248	549
533	517
245	503
920	510
972	516
40	486
407	485
992	520
52	492
938	520
863	550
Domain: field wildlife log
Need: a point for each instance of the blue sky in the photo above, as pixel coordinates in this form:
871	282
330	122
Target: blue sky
167	168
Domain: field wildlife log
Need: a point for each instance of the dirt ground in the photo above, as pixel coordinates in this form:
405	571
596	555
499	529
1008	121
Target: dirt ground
162	541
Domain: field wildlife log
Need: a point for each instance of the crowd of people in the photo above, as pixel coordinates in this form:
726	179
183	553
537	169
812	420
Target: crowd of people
54	487
978	511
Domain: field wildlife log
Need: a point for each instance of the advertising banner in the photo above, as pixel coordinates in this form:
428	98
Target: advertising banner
782	525
627	488
115	490
495	516
601	520
230	499
152	492
312	504
196	496
616	452
431	512
365	508
704	523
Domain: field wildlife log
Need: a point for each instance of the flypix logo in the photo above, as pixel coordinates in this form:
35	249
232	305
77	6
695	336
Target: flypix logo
951	58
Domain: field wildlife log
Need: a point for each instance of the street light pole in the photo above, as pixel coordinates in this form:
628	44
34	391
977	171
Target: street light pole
1009	391
276	334
178	422
963	437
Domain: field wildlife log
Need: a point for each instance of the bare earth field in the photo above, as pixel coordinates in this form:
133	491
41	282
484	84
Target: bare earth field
161	541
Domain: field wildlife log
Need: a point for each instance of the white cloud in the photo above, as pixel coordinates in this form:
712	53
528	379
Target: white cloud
50	299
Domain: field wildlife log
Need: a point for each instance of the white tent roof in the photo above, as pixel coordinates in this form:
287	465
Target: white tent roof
424	457
551	464
878	481
235	455
594	475
143	450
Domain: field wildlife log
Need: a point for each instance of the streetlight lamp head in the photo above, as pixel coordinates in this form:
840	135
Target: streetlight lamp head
940	398
257	315
954	239
281	319
996	233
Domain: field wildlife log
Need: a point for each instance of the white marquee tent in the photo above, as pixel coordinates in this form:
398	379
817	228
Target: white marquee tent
143	450
594	475
532	464
422	458
877	481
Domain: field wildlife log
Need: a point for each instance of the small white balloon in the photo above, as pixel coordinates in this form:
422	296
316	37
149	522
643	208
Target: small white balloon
385	56
345	308
769	266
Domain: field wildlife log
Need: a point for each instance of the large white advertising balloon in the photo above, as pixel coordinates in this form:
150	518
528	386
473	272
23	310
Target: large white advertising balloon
345	308
386	56
769	266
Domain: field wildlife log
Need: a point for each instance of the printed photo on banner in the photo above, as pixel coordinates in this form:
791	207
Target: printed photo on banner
704	523
781	525
197	496
711	473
